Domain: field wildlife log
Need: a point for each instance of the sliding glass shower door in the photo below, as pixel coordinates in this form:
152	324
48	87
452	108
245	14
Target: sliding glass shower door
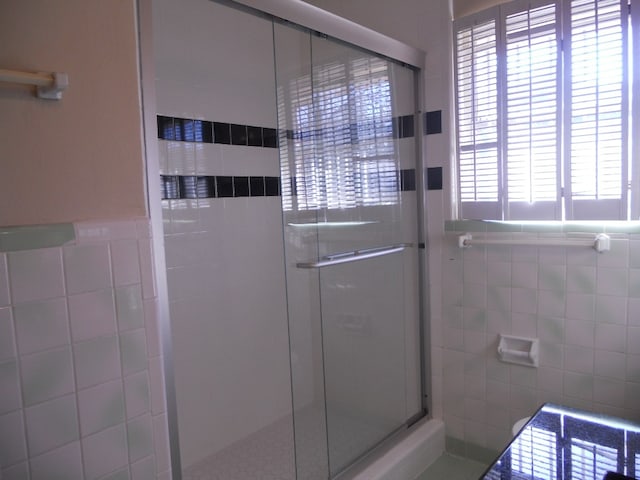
348	166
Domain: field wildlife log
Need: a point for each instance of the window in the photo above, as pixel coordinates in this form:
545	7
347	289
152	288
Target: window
544	112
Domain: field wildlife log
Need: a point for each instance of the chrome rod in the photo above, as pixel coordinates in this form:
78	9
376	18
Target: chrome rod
600	242
354	256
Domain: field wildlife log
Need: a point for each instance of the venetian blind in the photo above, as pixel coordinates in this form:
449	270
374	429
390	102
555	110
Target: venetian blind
477	101
543	111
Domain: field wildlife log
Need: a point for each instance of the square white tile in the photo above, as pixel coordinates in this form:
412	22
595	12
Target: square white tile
524	275
52	424
610	364
137	394
129	307
13	447
608	391
610	309
578	386
133	348
579	359
41	325
581	279
36	274
9	387
7	336
61	463
97	361
101	407
92	315
125	261
144	469
611	337
140	437
633	340
578	332
47	375
19	471
87	268
612	281
104	452
580	306
524	300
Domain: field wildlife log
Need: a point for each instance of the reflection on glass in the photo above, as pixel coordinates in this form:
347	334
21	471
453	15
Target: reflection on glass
563	443
342	138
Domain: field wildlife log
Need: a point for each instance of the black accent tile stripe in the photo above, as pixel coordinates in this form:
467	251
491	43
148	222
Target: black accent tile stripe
433	122
204	131
396	127
169	187
254	136
256	186
241	186
238	134
272	186
407	126
434	178
408	180
221	133
224	186
174	187
270	137
206	187
188	186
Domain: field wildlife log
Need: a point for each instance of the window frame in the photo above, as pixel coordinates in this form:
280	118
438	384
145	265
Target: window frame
565	207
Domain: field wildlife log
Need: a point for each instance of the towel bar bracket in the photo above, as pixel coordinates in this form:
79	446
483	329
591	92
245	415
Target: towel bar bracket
54	91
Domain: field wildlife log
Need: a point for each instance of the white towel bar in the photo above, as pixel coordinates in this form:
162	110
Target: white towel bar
49	85
600	242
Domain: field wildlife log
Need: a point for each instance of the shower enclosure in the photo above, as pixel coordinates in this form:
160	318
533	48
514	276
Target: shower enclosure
291	189
347	155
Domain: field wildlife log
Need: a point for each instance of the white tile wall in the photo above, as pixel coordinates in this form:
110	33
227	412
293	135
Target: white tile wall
78	332
582	307
225	265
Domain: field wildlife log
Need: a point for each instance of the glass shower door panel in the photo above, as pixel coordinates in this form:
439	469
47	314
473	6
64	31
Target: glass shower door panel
355	186
363	338
353	327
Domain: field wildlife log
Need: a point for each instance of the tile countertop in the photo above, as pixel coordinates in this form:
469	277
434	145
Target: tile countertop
564	443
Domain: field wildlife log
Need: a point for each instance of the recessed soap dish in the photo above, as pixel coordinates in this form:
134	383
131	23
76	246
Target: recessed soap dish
518	350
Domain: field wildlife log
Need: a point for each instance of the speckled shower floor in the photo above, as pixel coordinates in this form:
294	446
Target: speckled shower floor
268	454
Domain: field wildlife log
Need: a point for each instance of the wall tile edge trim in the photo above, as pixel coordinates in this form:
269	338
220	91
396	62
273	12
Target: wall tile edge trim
32	237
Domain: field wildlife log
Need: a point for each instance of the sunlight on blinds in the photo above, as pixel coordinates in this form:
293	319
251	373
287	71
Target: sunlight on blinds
592	461
598	120
538	443
343	138
477	112
532	105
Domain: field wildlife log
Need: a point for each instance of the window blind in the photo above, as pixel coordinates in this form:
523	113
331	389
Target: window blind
343	150
597	116
543	111
532	145
477	101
